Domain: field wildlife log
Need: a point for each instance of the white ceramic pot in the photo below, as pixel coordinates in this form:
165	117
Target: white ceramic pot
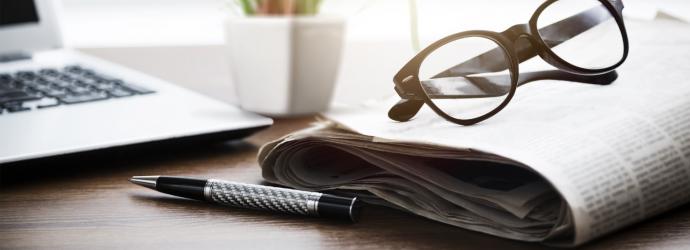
284	66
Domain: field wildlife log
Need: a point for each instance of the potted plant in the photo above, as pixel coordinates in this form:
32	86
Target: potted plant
284	56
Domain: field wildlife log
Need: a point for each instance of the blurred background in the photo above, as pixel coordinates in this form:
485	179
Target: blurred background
108	23
378	31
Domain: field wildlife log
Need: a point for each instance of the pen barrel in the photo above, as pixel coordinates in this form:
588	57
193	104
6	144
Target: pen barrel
280	199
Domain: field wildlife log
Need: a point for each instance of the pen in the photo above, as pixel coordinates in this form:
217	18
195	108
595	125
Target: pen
254	196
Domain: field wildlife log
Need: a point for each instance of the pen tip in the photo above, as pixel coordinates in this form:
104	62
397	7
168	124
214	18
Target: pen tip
145	181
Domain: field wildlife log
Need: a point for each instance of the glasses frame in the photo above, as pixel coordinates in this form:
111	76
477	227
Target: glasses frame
409	86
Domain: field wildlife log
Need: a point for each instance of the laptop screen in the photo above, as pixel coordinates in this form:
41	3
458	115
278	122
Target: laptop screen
17	12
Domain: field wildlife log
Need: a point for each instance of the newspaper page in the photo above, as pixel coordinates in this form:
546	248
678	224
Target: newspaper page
617	154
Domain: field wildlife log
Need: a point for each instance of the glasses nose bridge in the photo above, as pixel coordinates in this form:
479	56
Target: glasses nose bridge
520	35
518	31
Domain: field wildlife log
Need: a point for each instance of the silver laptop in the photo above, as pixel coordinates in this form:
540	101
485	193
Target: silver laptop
55	101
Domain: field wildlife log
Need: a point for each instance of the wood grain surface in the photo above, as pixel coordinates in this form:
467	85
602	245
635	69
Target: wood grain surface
87	203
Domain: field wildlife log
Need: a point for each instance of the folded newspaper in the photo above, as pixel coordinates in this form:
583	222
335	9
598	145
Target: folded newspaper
563	164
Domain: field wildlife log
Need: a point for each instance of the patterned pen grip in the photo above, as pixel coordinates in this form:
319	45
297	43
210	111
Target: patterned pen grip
262	197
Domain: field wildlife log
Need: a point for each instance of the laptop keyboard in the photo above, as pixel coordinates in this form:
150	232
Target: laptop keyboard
46	88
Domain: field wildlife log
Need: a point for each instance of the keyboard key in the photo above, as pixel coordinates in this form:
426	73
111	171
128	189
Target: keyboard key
26	75
72	99
86	81
117	81
32	91
120	92
79	90
102	78
67	78
62	84
47	103
16	96
16	84
107	86
137	89
41	87
48	72
14	109
6	91
56	92
5	78
42	81
15	106
74	69
11	104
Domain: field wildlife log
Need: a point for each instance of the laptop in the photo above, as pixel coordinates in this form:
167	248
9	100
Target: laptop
56	101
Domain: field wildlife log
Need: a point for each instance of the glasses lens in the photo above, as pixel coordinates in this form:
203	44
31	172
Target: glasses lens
592	41
464	84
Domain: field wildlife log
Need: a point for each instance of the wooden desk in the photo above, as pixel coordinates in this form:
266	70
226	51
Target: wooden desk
92	205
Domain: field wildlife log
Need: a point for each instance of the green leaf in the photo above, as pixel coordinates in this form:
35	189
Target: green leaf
247	7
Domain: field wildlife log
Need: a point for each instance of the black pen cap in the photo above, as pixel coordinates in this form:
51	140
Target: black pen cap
332	206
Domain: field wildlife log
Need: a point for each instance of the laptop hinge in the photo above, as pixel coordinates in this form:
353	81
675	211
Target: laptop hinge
9	57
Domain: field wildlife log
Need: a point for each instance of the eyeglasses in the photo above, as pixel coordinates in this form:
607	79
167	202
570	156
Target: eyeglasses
585	47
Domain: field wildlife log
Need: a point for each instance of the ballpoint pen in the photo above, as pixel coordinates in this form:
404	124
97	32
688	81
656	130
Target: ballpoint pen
254	196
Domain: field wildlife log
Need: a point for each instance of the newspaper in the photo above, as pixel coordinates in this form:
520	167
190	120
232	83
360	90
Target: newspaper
563	164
